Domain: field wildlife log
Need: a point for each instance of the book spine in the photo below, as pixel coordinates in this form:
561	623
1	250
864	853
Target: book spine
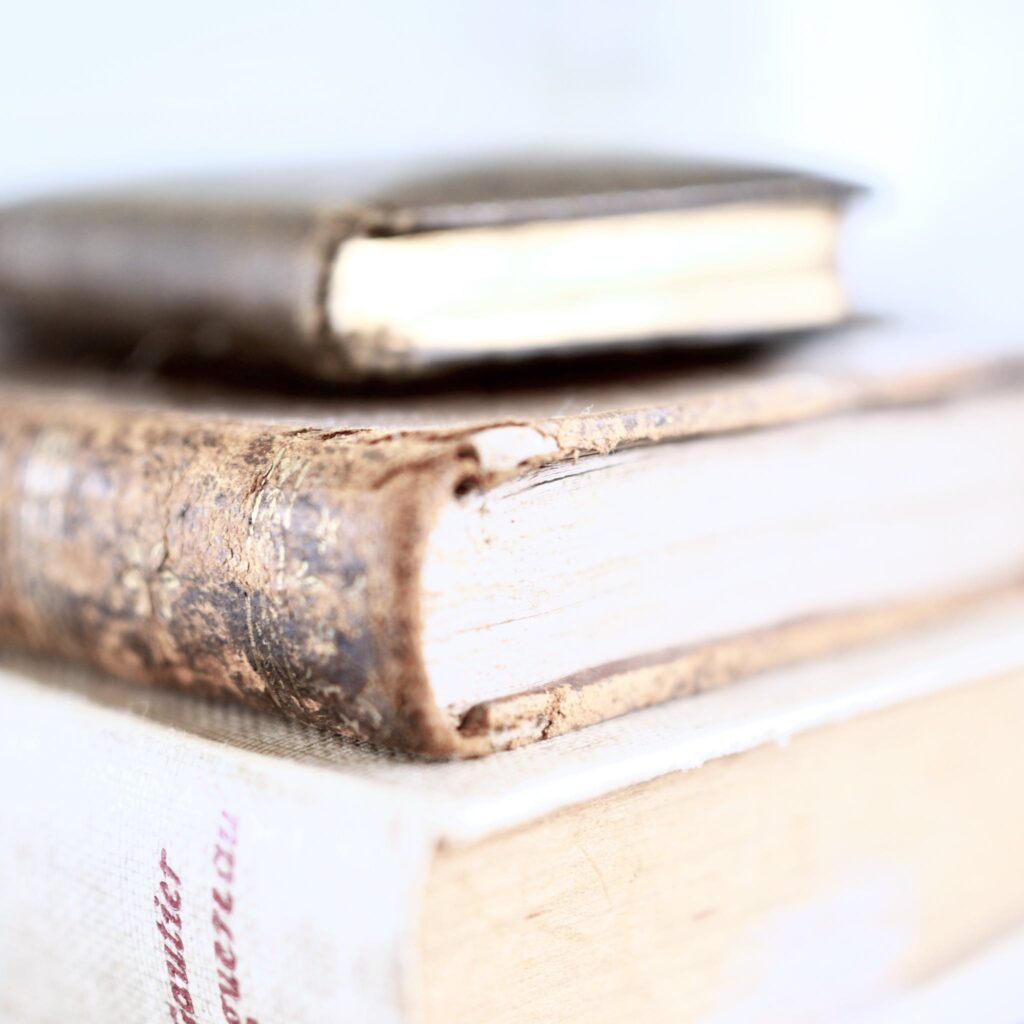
252	277
278	565
151	875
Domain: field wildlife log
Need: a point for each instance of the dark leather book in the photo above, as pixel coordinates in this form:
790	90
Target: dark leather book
382	275
460	573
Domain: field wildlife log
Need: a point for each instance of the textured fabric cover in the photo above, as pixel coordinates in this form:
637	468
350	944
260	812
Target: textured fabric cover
310	849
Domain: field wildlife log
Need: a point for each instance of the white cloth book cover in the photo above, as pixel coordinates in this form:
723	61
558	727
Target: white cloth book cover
167	858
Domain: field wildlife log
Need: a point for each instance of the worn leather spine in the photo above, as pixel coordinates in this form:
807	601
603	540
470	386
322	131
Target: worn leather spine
231	553
278	565
250	277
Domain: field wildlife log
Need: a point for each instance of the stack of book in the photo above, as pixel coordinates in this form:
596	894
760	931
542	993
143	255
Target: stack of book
546	611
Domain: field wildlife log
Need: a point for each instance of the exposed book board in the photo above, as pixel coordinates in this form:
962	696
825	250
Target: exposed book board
793	848
386	274
450	577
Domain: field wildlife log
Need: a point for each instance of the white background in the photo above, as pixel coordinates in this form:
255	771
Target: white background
923	100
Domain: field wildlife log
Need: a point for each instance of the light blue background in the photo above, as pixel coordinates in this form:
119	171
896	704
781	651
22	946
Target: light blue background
923	99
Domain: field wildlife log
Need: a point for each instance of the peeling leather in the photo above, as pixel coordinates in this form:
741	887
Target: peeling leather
272	564
229	552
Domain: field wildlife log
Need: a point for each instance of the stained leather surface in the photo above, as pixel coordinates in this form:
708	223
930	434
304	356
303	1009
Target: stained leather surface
226	547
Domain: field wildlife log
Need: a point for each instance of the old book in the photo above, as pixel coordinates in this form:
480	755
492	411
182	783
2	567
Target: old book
386	274
788	849
457	575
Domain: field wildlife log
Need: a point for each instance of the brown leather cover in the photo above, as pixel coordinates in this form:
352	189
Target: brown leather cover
222	546
248	260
